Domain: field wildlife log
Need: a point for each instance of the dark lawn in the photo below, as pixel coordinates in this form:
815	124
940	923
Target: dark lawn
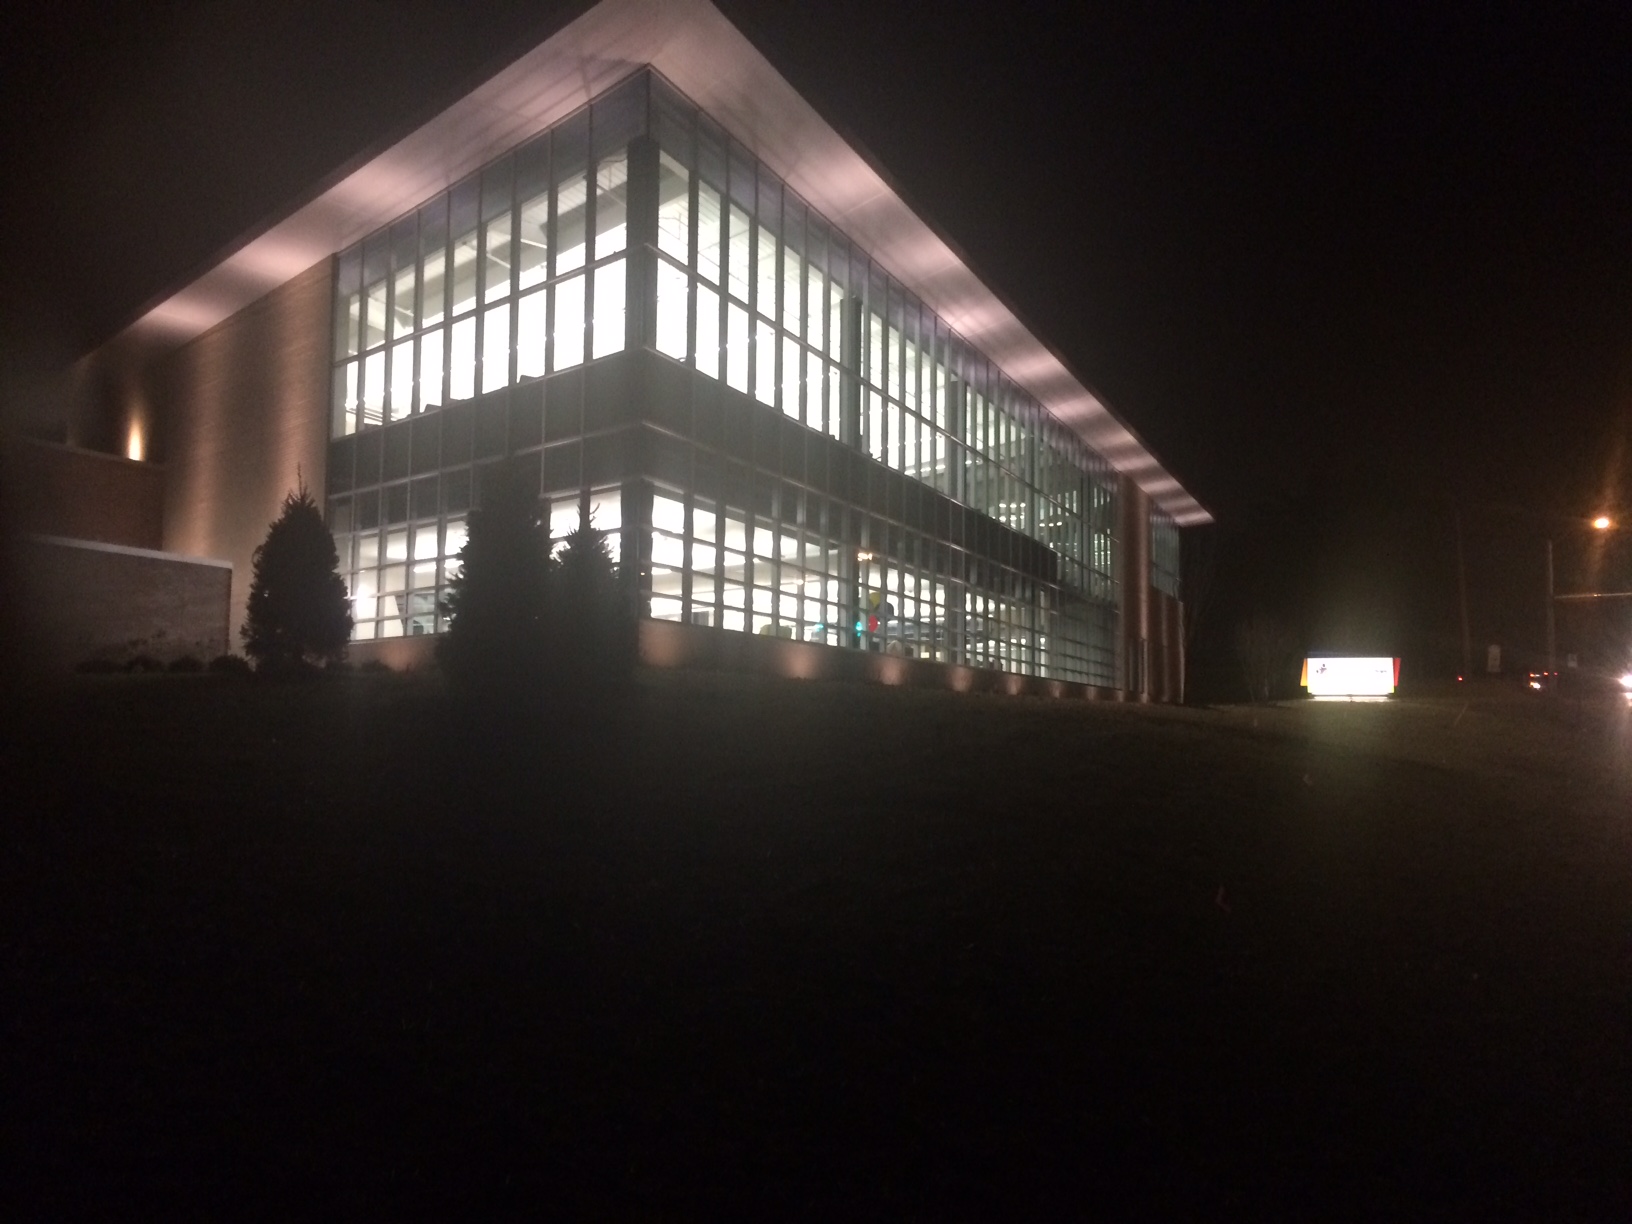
801	950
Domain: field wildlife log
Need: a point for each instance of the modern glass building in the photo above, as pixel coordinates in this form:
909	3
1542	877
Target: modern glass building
675	302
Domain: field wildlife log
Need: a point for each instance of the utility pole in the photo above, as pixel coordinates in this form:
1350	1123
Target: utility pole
1552	644
1462	594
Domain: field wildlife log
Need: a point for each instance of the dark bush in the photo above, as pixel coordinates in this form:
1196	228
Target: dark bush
144	663
186	663
229	665
374	667
97	667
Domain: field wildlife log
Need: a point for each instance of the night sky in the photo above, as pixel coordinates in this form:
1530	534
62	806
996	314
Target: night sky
1341	267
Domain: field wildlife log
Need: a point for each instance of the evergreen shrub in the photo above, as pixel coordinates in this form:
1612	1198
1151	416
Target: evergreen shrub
299	615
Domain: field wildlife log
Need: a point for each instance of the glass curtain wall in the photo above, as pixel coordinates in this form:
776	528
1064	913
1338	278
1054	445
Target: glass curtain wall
759	292
524	270
517	272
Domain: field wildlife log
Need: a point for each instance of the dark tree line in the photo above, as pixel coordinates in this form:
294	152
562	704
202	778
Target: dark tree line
521	621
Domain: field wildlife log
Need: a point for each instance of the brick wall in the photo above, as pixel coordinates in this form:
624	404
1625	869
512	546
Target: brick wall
85	600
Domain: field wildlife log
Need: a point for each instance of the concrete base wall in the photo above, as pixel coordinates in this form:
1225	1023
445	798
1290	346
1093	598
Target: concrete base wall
670	644
85	601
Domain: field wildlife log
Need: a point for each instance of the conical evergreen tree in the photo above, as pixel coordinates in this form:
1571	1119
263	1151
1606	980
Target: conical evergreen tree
298	611
592	631
496	602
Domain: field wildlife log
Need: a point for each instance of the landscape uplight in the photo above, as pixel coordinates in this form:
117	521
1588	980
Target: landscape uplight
1602	523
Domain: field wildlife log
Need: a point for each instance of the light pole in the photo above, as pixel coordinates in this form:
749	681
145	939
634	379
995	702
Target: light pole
1552	642
1602	523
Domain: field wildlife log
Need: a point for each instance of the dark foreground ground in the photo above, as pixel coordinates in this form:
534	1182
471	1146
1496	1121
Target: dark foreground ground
801	951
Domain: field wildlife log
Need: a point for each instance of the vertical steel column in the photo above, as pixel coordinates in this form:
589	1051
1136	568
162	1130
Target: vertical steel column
640	291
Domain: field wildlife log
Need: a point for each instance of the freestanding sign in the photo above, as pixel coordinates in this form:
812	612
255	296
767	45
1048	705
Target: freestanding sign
1351	677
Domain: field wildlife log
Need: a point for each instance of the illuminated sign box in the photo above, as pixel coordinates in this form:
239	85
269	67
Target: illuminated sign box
1351	677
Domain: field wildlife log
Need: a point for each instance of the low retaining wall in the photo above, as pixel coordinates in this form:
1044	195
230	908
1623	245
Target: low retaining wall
671	644
82	600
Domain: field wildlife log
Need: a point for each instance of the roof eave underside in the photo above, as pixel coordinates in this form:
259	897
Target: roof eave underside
708	59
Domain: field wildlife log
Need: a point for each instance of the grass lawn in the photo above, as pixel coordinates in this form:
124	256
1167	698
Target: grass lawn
801	950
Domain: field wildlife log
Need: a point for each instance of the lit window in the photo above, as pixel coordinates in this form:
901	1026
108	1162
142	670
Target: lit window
464	273
496	348
708	233
496	266
792	291
673	208
668	550
668	514
569	323
765	362
462	360
531	336
402	303
374	329
351	325
402	380
433	290
373	388
430	370
671	311
765	290
533	245
347	390
612	206
571	200
708	331
740	255
606	514
792	367
815	297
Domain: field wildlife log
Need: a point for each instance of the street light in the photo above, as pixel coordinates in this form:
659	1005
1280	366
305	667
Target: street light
1602	523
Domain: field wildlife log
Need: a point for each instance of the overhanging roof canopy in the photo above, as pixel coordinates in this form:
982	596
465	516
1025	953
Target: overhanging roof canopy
692	44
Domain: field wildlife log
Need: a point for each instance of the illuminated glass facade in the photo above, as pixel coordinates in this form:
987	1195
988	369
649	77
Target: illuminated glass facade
782	439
